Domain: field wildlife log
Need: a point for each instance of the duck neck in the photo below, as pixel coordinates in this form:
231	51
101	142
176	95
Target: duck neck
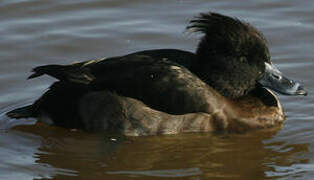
200	68
216	76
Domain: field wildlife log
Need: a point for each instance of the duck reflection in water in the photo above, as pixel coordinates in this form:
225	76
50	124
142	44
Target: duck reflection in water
199	154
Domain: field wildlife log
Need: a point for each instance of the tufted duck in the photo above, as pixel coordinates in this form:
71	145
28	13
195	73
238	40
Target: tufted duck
225	86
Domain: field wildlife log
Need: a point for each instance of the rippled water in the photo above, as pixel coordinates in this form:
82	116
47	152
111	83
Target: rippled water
35	32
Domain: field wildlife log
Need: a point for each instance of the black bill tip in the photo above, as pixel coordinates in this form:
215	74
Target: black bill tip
301	91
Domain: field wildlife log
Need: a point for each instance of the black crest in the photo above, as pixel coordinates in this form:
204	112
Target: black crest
214	22
226	35
231	54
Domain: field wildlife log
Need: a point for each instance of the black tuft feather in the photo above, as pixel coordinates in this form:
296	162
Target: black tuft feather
219	25
210	22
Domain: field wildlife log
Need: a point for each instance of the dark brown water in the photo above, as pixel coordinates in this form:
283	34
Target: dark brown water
34	32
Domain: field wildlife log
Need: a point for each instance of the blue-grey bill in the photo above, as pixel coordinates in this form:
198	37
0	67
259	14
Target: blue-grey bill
274	80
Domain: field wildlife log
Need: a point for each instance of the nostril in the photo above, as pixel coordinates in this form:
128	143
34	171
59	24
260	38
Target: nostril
276	76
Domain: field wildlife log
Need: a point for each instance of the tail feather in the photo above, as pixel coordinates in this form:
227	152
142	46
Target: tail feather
56	71
73	73
23	112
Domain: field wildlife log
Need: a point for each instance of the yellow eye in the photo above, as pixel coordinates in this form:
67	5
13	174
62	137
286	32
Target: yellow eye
242	59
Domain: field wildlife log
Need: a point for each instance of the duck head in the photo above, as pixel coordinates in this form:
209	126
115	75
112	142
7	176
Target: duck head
233	58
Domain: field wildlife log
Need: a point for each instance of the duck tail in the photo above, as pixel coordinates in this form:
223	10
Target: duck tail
23	112
72	73
51	70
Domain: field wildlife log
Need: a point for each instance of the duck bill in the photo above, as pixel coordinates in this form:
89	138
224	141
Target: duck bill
274	80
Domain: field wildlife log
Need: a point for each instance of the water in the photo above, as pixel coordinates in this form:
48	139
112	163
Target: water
37	32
